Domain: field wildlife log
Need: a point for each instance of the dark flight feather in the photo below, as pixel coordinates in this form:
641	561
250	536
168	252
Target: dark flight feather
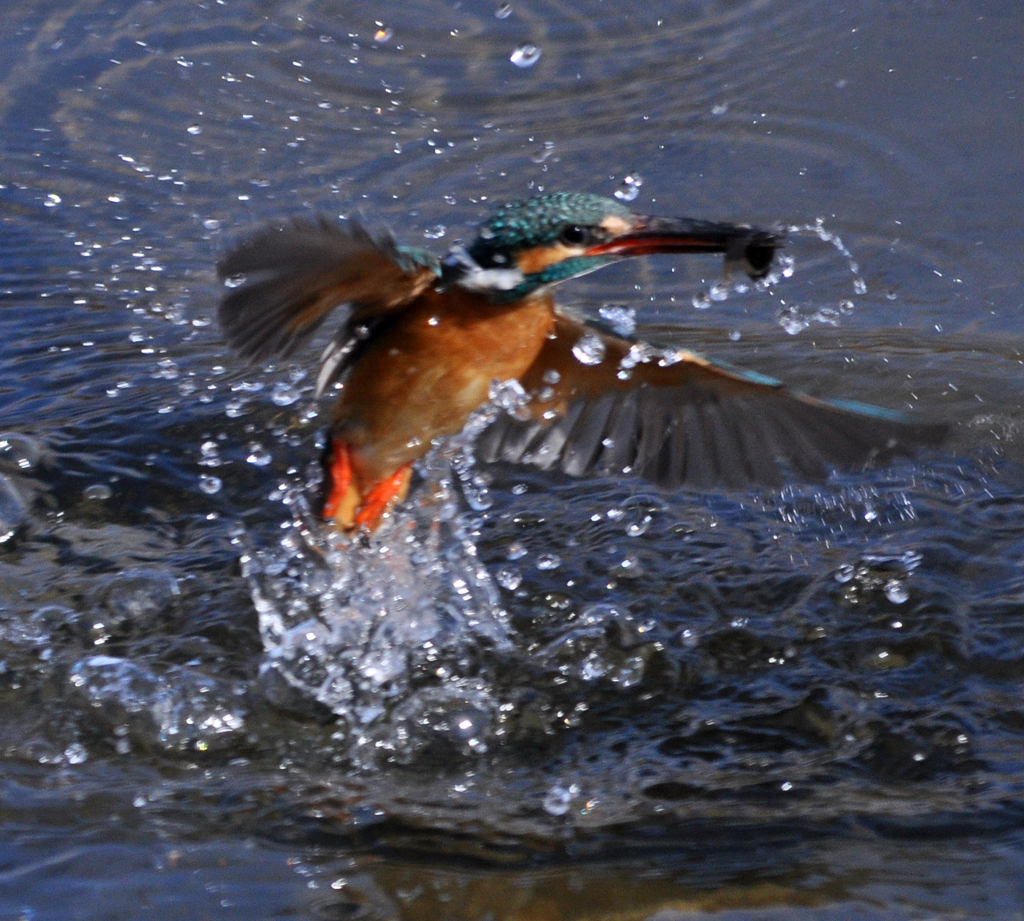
288	278
687	421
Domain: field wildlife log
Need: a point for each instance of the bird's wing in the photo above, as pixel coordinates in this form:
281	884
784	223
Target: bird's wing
284	281
601	404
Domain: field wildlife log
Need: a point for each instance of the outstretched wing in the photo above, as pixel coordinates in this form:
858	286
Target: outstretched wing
283	282
602	404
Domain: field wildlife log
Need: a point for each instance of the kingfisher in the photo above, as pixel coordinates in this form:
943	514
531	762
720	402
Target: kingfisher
422	340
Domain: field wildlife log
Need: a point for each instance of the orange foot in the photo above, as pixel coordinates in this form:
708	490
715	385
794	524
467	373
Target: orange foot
347	506
384	495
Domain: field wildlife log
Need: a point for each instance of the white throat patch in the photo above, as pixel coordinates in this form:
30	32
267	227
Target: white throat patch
476	278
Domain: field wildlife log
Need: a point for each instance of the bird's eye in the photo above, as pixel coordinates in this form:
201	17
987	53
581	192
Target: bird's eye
574	235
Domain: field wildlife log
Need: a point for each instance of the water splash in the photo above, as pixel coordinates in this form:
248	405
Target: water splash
389	632
874	574
817	229
177	710
795	319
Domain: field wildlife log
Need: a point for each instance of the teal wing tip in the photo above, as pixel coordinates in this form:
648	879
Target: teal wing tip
755	377
867	409
415	257
923	432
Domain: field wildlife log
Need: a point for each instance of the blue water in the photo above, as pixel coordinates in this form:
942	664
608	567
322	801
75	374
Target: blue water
569	698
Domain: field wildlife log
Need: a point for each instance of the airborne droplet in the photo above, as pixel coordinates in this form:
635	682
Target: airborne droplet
621	319
210	484
525	56
589	349
630	187
258	455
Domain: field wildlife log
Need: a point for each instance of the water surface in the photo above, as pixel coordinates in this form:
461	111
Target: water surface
569	699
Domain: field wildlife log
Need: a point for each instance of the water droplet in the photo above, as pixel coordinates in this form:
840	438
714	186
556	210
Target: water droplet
19	453
638	528
284	394
383	35
52	200
508	396
844	573
896	591
546	150
622	320
76	753
516	551
14	513
720	108
209	454
718	291
503	11
558	799
195	129
589	349
509	578
234	408
435	232
551	376
630	187
525	56
258	455
548	561
210	484
792	321
97	492
167	370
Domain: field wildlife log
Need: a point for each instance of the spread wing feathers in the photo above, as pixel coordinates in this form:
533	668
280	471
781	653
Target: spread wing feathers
284	281
676	419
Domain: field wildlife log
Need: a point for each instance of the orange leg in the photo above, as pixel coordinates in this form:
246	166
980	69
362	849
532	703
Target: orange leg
379	499
345	504
340	472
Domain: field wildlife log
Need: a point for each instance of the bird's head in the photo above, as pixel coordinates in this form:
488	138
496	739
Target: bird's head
525	246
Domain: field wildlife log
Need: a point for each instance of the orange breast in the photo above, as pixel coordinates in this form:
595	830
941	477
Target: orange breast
428	370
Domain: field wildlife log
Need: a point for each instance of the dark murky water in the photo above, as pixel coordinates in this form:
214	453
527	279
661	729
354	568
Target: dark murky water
566	699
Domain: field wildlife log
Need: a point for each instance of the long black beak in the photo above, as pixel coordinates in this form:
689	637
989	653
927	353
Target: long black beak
746	246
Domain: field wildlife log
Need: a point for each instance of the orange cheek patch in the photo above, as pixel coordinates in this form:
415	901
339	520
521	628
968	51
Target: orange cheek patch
616	225
531	261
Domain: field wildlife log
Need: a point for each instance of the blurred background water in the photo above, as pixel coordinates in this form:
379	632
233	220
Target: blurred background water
575	699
